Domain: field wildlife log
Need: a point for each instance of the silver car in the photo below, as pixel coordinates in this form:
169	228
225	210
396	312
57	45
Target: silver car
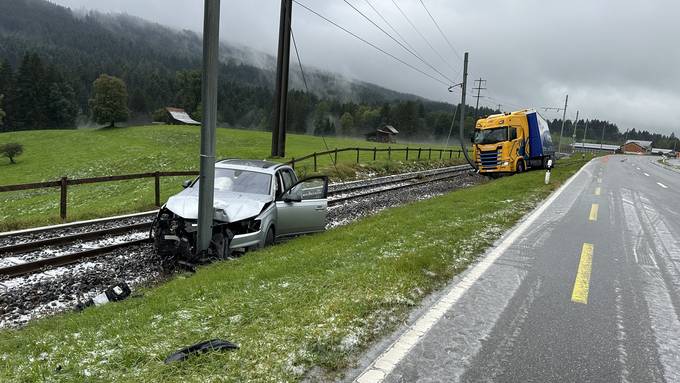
255	203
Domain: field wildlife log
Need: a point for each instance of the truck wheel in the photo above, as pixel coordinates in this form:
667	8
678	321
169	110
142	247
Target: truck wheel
520	166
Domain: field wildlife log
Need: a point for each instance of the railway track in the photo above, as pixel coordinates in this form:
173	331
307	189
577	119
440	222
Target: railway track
338	194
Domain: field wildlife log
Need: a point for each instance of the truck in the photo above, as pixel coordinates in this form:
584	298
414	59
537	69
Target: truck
512	143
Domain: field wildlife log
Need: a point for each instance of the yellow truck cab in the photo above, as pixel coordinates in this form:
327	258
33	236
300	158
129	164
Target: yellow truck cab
512	142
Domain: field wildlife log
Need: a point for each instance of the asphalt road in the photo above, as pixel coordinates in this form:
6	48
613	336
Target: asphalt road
586	290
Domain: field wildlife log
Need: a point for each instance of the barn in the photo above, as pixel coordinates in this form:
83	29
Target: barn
637	147
178	116
386	133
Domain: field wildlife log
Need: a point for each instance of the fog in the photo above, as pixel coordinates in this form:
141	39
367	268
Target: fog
617	60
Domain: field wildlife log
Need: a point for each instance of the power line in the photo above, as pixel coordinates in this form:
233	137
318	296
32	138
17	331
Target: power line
391	27
297	53
423	36
370	43
398	42
440	31
479	89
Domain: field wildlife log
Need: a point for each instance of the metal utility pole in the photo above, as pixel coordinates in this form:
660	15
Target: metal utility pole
500	108
281	93
479	90
564	117
462	112
206	186
573	135
585	133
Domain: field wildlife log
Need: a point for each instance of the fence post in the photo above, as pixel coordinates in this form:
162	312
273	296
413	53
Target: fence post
459	152
407	153
157	185
374	150
389	153
292	162
429	154
335	156
315	162
450	153
357	155
419	154
440	154
62	204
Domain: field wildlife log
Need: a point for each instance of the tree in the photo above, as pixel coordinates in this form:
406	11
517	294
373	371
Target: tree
2	113
346	124
109	101
11	150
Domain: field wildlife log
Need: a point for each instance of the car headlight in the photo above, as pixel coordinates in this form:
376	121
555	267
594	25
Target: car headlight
506	163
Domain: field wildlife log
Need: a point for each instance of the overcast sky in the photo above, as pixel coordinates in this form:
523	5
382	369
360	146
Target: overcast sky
618	60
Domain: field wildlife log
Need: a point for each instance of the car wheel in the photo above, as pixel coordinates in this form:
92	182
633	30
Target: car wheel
520	166
269	239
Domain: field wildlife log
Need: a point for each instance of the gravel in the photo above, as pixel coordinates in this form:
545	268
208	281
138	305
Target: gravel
37	295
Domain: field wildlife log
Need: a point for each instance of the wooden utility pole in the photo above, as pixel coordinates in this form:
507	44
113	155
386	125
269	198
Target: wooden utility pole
479	89
564	117
462	112
281	92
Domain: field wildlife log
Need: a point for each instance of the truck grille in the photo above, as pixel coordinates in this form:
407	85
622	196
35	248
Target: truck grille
489	159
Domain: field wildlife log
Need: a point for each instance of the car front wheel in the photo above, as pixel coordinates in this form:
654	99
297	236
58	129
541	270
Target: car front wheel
269	239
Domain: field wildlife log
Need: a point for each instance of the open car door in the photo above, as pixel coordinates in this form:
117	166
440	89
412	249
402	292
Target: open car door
303	207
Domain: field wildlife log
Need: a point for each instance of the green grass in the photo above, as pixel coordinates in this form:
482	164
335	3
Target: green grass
315	301
50	155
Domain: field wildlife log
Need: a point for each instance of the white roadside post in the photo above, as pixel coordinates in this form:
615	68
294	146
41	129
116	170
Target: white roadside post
547	172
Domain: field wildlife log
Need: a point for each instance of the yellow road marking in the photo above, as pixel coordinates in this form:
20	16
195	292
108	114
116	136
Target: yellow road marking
593	212
582	282
597	191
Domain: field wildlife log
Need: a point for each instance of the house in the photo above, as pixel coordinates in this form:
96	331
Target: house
177	116
637	147
386	133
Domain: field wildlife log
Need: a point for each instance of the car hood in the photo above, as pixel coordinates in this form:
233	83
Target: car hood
229	206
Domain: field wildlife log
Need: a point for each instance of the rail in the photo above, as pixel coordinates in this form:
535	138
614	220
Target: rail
64	182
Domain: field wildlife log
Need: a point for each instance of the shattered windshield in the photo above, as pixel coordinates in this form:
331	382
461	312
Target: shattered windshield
242	181
491	136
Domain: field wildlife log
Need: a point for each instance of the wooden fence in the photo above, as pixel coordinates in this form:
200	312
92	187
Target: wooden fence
65	182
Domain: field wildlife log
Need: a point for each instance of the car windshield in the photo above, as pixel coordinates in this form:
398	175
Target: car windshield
491	136
242	181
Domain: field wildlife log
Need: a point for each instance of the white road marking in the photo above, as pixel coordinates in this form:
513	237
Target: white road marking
388	360
646	174
662	185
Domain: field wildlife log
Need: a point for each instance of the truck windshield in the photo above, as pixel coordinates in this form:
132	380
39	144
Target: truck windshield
491	136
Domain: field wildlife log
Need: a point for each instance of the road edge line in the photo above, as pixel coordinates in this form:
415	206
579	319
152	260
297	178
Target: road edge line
384	364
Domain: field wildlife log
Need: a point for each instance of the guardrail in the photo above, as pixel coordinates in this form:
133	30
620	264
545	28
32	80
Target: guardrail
64	182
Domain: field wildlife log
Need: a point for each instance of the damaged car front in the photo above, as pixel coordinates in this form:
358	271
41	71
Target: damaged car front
244	211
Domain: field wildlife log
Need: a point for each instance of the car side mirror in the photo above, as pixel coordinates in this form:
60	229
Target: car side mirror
186	183
292	196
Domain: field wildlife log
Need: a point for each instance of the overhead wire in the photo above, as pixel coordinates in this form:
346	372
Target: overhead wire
297	53
370	43
398	42
390	25
446	62
455	51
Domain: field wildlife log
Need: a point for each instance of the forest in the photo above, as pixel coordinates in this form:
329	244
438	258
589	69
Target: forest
50	56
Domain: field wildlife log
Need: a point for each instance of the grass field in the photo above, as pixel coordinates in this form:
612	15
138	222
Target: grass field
50	155
315	301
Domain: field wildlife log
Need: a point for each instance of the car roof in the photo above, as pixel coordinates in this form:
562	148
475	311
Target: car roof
261	166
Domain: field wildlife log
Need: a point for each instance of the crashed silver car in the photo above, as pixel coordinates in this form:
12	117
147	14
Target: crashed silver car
255	203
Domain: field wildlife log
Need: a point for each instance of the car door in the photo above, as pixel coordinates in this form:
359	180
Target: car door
302	208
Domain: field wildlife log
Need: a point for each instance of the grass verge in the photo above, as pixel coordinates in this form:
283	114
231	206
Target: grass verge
315	301
52	154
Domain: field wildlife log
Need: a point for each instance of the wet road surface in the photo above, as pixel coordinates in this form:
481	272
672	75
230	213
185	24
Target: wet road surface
586	289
